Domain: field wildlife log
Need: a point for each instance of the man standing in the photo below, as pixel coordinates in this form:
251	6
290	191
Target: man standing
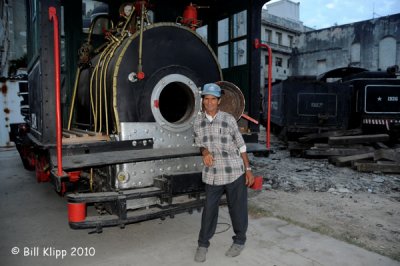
226	169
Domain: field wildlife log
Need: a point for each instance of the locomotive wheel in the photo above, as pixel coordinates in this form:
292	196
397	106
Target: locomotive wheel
27	156
42	168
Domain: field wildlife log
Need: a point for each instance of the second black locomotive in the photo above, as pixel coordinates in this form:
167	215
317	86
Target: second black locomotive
343	98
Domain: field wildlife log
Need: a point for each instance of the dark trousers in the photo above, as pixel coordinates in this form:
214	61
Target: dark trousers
236	195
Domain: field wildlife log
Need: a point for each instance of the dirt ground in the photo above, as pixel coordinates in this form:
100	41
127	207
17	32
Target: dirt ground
359	208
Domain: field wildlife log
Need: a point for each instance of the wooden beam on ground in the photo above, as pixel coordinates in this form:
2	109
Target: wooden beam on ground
358	139
297	149
322	145
374	167
387	154
355	163
380	145
327	134
346	160
323	153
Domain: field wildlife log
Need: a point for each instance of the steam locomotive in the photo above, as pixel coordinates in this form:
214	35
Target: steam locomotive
112	128
340	99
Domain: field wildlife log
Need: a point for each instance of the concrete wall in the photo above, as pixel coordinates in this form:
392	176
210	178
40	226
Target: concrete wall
372	44
10	109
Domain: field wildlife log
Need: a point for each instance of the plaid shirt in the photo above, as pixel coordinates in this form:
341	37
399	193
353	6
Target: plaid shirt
222	139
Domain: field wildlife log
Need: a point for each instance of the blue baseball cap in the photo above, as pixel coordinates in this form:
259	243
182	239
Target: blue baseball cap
211	89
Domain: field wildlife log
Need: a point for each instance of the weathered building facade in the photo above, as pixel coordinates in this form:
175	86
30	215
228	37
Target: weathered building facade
372	44
280	30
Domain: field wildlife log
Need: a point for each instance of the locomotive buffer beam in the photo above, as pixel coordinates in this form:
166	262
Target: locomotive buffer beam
123	216
113	196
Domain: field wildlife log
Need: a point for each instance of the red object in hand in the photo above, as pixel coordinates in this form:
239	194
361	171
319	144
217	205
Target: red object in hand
258	182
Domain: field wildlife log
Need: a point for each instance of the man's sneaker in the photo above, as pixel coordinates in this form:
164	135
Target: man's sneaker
234	250
200	254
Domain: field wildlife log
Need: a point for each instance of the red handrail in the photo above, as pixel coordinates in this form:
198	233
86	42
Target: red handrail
53	17
258	44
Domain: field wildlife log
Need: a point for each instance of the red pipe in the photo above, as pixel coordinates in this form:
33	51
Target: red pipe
53	17
257	45
250	119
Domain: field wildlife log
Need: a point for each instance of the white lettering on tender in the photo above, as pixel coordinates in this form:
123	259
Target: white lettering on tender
274	105
317	105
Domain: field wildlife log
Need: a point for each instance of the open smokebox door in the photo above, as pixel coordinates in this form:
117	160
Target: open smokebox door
232	99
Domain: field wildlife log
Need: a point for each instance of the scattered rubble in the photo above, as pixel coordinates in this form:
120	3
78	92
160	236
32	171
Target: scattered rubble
281	171
361	208
365	153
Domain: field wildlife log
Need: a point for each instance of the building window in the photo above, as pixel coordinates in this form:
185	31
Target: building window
239	53
223	56
33	28
268	35
239	24
92	9
223	30
203	31
355	53
267	60
279	38
278	61
321	66
290	40
232	40
387	52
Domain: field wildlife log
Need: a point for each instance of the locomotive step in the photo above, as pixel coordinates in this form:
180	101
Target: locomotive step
76	161
111	195
117	157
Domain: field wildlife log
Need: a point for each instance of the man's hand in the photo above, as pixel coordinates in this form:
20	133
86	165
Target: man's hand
249	173
208	159
249	178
